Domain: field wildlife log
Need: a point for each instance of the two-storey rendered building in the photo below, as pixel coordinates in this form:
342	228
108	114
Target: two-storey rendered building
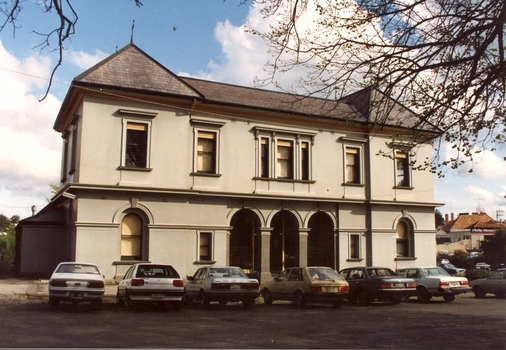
169	169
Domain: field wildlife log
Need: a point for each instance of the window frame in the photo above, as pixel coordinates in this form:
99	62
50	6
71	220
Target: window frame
124	149
210	245
357	152
206	126
406	181
354	247
299	161
407	242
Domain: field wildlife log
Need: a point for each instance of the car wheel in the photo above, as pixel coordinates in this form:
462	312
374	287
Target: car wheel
396	299
54	302
177	306
119	300
130	304
423	295
203	300
96	304
363	297
267	295
300	300
247	303
337	304
449	298
479	292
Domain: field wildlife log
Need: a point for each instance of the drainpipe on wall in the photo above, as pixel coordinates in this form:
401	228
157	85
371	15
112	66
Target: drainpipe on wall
368	213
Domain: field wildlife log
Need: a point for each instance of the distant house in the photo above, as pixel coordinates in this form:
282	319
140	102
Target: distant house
162	168
468	230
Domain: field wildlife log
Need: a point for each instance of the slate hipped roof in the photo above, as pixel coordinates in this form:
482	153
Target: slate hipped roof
132	70
467	222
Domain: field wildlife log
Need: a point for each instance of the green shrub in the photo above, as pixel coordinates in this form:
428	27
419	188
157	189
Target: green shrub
475	274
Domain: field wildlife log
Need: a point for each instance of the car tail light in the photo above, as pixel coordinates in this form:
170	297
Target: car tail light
344	288
386	285
137	282
253	285
219	286
444	283
96	284
58	283
316	289
411	285
178	283
464	283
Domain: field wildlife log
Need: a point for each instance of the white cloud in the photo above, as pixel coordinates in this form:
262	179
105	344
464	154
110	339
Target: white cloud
29	148
85	60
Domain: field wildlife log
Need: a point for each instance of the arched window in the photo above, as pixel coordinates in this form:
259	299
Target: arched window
131	237
404	239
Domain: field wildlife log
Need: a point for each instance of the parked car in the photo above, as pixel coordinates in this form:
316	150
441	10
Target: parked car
150	283
306	284
482	266
495	284
222	284
76	283
377	283
433	281
451	269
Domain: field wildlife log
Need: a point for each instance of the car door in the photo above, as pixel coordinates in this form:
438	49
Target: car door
495	283
294	281
193	285
277	287
125	282
354	278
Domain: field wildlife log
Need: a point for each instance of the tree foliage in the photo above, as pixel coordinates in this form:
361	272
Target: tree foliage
443	59
494	248
440	221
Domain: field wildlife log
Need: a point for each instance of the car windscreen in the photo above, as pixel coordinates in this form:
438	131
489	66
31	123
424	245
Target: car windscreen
380	272
78	268
323	274
159	271
435	271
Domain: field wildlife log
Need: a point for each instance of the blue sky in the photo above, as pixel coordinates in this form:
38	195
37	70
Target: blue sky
204	39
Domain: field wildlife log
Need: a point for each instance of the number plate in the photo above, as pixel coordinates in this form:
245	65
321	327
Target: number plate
454	284
76	295
331	289
235	286
399	285
158	295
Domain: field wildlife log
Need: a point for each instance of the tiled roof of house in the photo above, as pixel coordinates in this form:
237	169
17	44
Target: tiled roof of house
472	221
131	68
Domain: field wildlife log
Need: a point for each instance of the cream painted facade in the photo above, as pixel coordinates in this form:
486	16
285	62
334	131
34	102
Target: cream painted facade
261	222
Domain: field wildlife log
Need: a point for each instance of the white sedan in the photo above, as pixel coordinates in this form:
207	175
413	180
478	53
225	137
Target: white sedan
149	283
221	284
76	282
433	281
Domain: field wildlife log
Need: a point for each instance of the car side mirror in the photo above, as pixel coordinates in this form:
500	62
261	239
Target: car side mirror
189	278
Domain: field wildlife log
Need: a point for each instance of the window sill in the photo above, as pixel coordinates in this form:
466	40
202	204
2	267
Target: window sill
405	258
204	262
205	174
409	188
134	169
129	262
354	259
352	184
283	180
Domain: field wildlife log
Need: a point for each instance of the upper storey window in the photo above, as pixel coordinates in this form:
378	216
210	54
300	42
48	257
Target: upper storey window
136	149
402	169
206	152
353	165
283	155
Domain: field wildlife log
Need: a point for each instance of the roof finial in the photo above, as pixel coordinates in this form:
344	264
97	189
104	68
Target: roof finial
132	35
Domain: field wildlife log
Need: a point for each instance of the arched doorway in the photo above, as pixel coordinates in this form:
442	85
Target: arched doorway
321	241
284	241
245	249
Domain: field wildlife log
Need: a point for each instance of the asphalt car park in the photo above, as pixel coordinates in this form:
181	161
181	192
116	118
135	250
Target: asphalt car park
474	322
